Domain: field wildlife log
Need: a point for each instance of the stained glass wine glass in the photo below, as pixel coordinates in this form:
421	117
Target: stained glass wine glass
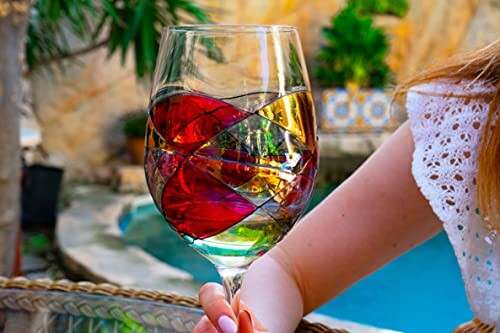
231	148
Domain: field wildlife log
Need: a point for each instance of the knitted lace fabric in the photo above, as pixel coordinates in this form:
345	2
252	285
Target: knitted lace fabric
447	128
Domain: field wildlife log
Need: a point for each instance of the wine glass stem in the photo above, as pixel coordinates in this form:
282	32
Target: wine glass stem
231	279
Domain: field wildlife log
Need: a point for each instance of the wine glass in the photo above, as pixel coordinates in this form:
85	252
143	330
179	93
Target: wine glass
231	147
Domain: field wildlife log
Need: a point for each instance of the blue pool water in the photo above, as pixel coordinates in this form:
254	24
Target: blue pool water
421	291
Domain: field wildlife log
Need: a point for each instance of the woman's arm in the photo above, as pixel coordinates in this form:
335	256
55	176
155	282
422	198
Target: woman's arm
373	217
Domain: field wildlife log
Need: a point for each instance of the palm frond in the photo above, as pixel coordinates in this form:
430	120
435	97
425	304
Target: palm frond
125	24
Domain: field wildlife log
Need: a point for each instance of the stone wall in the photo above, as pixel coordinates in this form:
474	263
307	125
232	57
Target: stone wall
433	29
80	112
80	109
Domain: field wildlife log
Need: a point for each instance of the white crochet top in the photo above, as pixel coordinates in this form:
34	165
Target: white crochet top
447	128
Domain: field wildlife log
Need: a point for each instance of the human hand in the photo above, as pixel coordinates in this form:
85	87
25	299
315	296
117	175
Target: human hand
221	317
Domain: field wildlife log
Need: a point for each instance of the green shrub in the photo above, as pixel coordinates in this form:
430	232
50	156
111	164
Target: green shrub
355	50
397	8
135	125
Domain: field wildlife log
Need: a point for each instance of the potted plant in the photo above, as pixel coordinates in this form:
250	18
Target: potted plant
352	66
41	180
134	129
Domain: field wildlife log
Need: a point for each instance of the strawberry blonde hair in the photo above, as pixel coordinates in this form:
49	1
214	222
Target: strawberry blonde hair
482	65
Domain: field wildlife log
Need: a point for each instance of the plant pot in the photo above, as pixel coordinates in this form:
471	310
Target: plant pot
40	193
135	147
366	110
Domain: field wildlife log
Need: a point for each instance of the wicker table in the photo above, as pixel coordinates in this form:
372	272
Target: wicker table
43	306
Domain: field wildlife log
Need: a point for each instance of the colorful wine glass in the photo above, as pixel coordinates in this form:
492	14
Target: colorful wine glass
231	147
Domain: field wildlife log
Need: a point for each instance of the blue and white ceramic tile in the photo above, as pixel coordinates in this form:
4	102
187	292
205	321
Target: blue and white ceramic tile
369	110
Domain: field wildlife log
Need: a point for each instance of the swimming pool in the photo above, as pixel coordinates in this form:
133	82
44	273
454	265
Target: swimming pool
421	291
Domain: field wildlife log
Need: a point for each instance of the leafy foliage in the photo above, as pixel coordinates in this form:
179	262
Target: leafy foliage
36	244
294	74
135	125
355	50
139	22
121	24
397	8
50	22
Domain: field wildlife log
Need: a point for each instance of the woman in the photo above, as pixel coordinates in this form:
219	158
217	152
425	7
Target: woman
439	169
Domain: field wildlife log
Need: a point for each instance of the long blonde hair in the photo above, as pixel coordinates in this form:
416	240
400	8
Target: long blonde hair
483	65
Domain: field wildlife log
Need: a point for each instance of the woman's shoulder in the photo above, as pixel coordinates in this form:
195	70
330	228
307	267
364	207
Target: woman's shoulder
437	104
453	88
447	131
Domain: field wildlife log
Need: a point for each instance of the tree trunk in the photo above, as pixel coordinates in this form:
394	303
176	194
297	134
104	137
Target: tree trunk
13	22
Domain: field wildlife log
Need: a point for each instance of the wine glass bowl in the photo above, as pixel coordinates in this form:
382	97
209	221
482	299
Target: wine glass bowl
231	149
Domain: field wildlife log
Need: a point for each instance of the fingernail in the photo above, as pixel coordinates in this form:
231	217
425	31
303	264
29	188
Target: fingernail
227	325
